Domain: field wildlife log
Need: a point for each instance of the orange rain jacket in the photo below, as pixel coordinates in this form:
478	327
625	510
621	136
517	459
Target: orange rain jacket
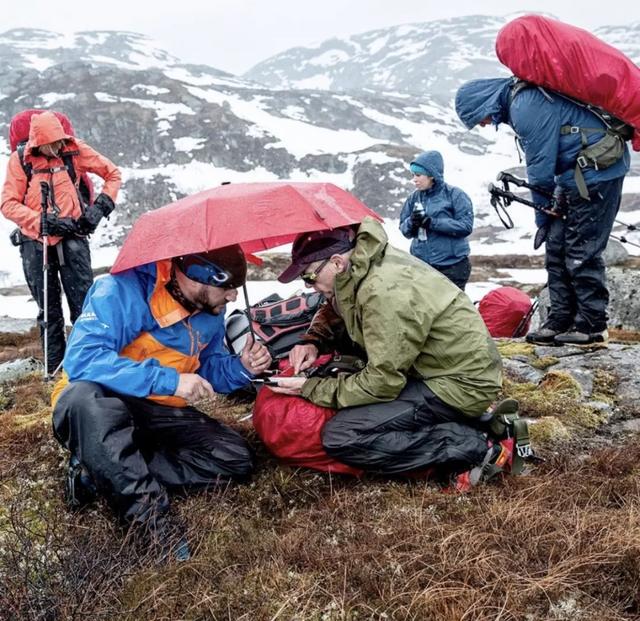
21	204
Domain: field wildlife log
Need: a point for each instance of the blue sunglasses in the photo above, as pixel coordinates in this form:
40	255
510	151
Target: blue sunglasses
208	273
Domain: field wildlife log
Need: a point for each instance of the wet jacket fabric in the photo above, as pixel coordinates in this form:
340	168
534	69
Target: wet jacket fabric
536	117
134	338
412	322
21	199
451	213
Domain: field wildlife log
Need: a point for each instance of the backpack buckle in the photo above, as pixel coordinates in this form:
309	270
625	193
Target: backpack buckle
524	450
582	161
574	130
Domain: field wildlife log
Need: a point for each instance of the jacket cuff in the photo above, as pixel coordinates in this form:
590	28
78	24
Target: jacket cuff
309	386
166	382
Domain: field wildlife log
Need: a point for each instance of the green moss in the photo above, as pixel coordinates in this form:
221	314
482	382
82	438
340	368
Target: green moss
586	417
547	430
509	348
561	383
558	396
544	362
605	384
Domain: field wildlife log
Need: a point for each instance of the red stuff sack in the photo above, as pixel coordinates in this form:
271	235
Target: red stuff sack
291	428
504	311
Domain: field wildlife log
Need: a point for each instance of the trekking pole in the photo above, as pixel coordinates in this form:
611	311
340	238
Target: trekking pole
501	198
507	178
520	328
44	232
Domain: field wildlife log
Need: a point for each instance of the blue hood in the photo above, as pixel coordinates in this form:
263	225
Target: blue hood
433	163
478	99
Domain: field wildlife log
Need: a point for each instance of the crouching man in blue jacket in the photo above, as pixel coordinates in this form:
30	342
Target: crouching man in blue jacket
150	342
439	219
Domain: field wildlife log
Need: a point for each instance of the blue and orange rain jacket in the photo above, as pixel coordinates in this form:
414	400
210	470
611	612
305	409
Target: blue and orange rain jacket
134	338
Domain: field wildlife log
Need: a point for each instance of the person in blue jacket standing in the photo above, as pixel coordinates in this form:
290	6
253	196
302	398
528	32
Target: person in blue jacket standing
553	131
148	344
438	218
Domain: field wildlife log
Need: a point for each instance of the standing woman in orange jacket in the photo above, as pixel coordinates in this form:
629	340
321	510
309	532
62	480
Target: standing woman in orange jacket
68	220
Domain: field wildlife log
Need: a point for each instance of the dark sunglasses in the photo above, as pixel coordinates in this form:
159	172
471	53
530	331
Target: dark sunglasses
311	278
208	273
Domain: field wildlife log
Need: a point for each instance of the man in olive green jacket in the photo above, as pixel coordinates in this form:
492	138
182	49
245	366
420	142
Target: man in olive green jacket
432	369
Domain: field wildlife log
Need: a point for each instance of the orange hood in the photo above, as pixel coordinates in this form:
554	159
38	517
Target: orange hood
45	128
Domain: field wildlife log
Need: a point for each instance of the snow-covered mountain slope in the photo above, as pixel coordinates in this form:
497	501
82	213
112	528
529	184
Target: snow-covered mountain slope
175	129
430	58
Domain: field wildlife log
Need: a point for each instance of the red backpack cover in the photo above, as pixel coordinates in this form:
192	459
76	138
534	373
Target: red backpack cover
291	427
502	311
573	62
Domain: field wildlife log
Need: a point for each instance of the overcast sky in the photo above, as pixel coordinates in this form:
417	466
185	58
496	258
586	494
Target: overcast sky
233	35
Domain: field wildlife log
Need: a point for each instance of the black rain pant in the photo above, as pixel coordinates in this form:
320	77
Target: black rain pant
76	276
137	450
415	431
576	272
458	273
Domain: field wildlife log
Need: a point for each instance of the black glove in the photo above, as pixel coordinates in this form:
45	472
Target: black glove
89	220
61	227
541	236
416	219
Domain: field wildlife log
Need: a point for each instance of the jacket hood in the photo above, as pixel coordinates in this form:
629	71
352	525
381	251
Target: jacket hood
45	128
371	242
433	163
478	99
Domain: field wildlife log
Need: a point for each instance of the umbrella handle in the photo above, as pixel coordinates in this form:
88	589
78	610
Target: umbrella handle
247	311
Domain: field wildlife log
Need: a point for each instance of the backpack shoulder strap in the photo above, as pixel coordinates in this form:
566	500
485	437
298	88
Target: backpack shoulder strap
67	158
28	169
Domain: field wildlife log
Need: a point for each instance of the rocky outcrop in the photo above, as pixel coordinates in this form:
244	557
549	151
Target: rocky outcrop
572	392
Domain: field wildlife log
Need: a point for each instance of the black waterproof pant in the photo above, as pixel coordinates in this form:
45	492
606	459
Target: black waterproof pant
574	247
74	270
136	450
458	273
415	431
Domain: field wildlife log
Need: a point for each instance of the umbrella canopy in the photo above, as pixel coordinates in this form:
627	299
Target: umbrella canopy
257	216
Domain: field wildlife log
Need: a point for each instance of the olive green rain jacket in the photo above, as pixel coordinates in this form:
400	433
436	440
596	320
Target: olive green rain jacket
412	322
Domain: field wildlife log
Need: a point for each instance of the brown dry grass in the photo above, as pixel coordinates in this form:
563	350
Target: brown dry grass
560	543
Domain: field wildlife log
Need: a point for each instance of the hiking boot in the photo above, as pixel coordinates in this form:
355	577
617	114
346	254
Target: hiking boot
80	490
496	461
545	335
581	339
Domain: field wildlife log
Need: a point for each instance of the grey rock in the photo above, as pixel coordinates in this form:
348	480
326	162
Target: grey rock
16	326
615	253
521	371
15	369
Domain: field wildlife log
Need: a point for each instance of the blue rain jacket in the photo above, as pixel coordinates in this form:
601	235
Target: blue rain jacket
451	214
536	118
134	338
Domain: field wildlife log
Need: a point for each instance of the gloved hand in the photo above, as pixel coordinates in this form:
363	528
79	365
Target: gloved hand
417	218
541	235
60	227
89	220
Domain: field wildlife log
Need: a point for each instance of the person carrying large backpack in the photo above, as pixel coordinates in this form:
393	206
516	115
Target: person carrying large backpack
41	194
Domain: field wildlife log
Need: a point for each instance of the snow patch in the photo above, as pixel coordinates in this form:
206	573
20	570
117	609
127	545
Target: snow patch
150	89
48	99
188	144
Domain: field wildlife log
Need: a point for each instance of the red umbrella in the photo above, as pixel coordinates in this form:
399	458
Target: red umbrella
257	216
